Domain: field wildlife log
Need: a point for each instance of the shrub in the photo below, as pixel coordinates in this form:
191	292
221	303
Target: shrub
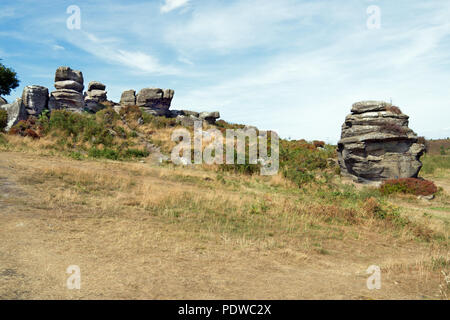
158	122
82	126
136	153
318	144
409	186
131	113
299	160
27	128
112	154
107	116
3	119
104	153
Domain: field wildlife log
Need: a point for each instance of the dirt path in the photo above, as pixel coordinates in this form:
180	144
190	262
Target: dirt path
138	257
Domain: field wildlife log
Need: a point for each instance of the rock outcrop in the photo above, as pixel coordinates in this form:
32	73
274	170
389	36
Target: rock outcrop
376	144
16	112
69	90
186	118
35	99
95	96
128	98
210	117
3	101
155	101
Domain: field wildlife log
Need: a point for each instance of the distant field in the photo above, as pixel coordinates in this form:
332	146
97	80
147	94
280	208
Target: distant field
436	146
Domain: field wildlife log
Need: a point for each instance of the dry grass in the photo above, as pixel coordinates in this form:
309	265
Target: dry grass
168	232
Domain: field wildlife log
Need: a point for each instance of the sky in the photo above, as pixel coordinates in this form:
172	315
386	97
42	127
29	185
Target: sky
292	66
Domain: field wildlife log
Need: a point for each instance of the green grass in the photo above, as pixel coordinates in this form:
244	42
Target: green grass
433	162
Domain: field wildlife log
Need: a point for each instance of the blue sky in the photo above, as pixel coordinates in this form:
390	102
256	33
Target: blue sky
294	66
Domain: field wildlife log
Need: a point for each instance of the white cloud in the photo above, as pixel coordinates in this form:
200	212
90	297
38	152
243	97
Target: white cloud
238	24
110	49
58	47
170	5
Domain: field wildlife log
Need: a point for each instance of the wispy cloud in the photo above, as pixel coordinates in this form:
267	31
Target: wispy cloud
291	65
170	5
57	47
110	49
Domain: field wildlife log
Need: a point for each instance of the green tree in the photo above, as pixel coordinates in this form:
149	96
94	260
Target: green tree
8	80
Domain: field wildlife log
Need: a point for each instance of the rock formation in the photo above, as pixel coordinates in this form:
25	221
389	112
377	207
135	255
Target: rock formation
35	99
3	101
69	88
16	112
210	117
376	144
95	96
155	101
186	118
128	98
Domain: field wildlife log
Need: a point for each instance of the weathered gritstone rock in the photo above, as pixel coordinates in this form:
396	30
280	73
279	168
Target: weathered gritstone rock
210	117
35	99
66	73
3	101
186	118
69	84
69	87
16	112
155	101
376	144
95	96
95	85
66	99
128	98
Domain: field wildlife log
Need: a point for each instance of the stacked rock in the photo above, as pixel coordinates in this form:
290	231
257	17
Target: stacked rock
69	88
155	101
376	144
94	96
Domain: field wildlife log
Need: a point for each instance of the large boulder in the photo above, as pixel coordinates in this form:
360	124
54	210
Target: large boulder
66	73
3	101
187	118
98	95
128	98
16	112
66	99
35	99
154	100
210	117
95	85
69	84
376	144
